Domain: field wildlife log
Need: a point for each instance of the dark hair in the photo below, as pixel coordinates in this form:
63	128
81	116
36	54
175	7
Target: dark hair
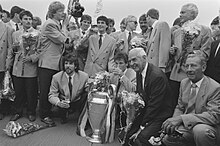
111	20
177	21
14	10
6	12
27	13
72	59
153	13
0	8
142	18
120	56
215	21
103	18
86	17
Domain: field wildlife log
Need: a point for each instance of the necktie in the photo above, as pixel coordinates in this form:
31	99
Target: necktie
83	32
100	41
140	84
129	38
191	104
17	28
70	85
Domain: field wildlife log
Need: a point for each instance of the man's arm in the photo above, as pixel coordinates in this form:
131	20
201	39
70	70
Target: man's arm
53	95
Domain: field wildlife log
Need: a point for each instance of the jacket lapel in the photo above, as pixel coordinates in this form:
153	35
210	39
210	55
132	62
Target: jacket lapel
65	85
2	29
103	46
200	94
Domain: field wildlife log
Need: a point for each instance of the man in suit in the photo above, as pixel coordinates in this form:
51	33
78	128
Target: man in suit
15	21
215	28
101	49
80	39
51	48
197	114
160	40
202	42
5	43
24	69
213	64
126	36
67	89
153	87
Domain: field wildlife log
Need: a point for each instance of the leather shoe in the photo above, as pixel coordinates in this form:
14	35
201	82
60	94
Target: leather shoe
48	121
32	118
15	117
2	116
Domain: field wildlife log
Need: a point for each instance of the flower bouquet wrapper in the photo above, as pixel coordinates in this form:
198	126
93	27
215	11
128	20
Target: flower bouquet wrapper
29	39
132	103
15	129
7	91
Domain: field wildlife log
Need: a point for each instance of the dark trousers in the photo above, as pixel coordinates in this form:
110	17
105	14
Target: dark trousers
26	92
74	106
45	77
175	86
142	140
5	106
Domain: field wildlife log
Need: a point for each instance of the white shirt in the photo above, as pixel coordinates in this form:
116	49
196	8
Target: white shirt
144	73
198	84
13	25
69	76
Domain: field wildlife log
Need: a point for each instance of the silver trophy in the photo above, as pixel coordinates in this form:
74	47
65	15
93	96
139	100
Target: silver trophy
97	109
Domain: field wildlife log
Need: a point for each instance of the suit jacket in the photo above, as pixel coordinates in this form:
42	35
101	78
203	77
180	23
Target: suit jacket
157	96
122	36
100	59
202	42
128	81
51	47
206	105
213	64
59	89
20	69
5	43
159	45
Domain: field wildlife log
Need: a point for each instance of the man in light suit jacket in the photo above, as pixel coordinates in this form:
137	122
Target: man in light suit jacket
123	39
51	48
60	93
153	87
203	42
5	43
80	39
160	40
213	64
197	114
101	49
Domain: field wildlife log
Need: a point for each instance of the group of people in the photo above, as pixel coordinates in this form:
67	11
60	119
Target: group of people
177	77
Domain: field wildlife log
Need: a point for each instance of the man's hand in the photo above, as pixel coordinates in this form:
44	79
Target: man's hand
171	124
135	135
26	59
117	71
173	50
63	104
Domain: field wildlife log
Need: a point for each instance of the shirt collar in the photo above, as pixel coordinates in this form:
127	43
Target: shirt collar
143	73
198	84
69	76
154	24
103	35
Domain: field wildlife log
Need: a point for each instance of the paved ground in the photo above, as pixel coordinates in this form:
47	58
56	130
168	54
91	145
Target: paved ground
61	135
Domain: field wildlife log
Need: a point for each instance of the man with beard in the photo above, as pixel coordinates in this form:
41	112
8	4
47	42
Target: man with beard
153	87
101	49
145	32
197	114
67	90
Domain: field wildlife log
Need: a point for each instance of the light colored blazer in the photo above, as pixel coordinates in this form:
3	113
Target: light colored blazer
51	47
100	59
128	81
206	107
5	43
59	87
159	45
202	42
29	68
122	36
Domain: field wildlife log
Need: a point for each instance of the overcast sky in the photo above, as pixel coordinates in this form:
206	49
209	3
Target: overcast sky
118	9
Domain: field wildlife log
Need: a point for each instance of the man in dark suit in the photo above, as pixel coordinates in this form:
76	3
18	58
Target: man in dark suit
213	64
153	87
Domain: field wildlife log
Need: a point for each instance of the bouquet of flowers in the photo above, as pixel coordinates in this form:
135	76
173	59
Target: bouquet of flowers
100	82
29	39
190	32
138	42
132	103
8	90
75	9
15	129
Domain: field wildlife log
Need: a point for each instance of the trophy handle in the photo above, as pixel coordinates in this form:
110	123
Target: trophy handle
112	91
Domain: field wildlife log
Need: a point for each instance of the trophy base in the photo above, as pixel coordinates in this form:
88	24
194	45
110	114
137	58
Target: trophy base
94	139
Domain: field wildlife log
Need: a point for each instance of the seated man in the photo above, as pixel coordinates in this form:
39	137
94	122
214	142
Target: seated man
67	87
197	114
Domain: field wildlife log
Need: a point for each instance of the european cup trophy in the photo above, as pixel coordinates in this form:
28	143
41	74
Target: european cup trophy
98	107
